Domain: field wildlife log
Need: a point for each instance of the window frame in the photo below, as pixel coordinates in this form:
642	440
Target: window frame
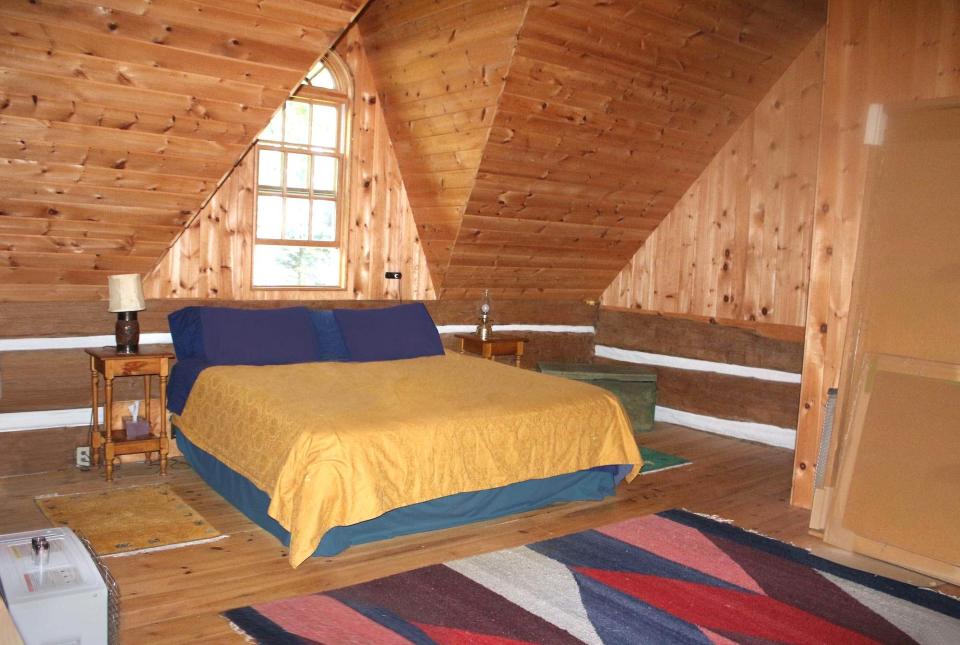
341	99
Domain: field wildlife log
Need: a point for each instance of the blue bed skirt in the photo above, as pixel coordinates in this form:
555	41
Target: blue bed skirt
444	512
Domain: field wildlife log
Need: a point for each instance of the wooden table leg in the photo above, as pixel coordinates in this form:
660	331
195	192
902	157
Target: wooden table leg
146	411
164	442
108	454
95	407
461	345
519	353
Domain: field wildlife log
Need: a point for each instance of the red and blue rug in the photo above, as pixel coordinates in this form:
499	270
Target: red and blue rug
674	577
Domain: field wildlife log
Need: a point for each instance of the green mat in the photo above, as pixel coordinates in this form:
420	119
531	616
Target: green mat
654	460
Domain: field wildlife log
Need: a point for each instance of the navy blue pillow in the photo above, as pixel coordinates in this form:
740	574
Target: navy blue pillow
187	333
258	336
332	347
404	331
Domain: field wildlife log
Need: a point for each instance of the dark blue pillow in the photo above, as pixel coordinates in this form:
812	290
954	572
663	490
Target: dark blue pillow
332	347
258	336
404	331
187	333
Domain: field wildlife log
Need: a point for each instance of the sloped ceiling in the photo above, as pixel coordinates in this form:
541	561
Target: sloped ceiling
440	69
119	117
537	165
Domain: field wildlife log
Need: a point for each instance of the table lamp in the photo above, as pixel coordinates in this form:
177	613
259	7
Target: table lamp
126	299
484	330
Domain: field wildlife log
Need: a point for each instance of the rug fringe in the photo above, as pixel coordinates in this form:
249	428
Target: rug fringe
91	492
724	520
165	547
665	468
236	628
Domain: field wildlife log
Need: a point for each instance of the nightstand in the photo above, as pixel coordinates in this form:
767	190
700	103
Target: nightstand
494	345
109	364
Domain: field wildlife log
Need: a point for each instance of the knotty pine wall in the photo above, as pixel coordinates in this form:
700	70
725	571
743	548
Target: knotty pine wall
876	51
212	259
737	244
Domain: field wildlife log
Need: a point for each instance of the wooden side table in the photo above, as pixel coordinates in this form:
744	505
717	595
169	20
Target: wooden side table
495	345
107	362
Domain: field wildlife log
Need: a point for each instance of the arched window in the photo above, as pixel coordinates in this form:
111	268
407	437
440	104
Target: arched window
301	173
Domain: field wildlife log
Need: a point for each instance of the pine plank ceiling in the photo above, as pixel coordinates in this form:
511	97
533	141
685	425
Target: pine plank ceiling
118	118
542	142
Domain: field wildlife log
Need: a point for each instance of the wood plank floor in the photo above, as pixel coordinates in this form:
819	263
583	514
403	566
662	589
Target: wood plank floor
175	596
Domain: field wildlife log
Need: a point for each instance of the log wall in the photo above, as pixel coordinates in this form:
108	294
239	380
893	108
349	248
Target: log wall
725	397
38	380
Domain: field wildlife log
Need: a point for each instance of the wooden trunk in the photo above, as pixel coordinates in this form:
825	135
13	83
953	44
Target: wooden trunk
636	387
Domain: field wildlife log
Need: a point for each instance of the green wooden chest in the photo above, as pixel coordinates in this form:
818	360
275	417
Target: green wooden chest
635	386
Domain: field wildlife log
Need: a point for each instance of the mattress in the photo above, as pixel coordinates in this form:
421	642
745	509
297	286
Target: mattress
337	444
453	510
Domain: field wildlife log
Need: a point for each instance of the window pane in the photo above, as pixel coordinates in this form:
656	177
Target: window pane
269	168
298	219
298	122
274	130
295	266
298	173
269	216
321	77
325	174
324	220
325	124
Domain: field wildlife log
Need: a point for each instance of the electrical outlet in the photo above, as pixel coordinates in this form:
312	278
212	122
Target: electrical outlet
393	275
83	456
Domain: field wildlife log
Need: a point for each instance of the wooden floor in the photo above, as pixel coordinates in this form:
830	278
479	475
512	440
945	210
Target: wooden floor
175	596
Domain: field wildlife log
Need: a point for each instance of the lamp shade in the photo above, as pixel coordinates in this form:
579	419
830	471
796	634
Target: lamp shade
126	293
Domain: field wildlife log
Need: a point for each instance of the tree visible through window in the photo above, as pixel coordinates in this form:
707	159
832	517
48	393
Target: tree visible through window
300	184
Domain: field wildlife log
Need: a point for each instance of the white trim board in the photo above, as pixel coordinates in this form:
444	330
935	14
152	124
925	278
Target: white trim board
693	364
163	338
76	342
543	329
759	432
42	419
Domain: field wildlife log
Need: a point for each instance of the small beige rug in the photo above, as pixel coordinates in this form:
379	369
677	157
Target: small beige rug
130	520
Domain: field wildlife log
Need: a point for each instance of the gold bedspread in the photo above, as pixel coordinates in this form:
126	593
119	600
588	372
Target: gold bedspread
334	444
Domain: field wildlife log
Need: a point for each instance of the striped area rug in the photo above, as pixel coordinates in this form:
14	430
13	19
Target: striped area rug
674	577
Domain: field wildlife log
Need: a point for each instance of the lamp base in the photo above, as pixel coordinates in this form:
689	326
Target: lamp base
128	332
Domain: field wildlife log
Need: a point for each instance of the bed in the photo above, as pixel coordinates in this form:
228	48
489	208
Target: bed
332	429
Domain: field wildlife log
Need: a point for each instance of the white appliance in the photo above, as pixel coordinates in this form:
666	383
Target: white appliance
54	589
